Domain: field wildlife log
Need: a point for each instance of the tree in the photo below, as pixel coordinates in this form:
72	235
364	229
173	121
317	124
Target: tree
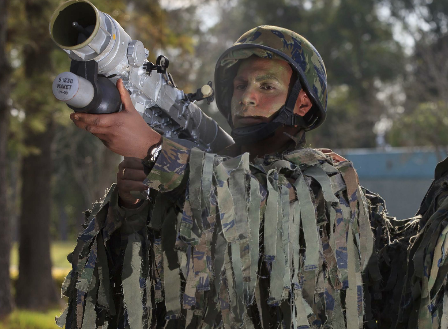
35	286
420	18
84	168
6	303
423	121
361	56
41	60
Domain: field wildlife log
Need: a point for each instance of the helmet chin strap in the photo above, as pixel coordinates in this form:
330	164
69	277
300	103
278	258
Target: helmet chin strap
285	116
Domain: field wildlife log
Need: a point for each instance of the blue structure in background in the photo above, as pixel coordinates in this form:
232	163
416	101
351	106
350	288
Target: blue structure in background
396	163
400	175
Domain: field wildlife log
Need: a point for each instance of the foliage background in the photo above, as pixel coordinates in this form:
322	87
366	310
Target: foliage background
387	74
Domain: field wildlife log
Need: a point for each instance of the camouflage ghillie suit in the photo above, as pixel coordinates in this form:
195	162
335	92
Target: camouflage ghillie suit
413	263
282	242
279	243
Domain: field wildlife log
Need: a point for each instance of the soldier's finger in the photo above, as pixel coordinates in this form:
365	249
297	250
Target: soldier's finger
133	174
127	197
104	140
133	163
94	119
125	97
78	123
130	185
99	131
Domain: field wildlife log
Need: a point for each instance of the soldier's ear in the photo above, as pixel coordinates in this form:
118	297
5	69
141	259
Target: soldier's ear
303	104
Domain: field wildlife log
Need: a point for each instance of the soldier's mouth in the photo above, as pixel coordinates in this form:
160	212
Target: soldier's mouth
248	121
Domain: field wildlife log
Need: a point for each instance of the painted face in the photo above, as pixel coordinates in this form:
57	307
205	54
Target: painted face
260	88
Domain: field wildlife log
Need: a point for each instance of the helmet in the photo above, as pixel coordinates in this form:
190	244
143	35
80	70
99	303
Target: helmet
275	43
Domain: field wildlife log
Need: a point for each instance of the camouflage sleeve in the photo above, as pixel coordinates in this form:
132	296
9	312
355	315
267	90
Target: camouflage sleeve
424	296
413	262
111	260
98	260
383	278
170	168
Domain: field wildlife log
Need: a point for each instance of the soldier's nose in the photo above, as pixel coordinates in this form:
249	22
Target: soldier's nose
249	98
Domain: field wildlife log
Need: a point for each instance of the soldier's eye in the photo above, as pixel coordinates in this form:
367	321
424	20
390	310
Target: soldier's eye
267	87
240	87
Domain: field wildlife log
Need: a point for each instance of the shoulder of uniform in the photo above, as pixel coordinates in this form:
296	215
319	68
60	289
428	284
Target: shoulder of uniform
313	156
336	158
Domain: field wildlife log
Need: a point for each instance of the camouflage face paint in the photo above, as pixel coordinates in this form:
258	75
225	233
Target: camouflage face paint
260	88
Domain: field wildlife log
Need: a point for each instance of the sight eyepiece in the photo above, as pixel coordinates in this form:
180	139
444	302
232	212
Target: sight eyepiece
85	34
71	19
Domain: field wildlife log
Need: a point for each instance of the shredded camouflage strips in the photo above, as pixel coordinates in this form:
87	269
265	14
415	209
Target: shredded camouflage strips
223	243
423	302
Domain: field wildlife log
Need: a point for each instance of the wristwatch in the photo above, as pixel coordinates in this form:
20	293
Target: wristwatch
151	157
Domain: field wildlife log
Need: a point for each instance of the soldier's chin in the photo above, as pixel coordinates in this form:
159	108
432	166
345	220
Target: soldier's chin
241	123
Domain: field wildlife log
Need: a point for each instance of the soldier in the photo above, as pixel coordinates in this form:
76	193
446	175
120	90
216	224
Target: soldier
268	234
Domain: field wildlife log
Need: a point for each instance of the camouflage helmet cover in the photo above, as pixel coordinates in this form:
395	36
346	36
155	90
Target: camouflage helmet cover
274	43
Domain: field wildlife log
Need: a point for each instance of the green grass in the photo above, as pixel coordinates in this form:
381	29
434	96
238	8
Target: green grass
58	250
23	319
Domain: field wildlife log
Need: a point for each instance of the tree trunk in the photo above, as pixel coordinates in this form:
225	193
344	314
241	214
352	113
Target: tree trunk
35	286
6	304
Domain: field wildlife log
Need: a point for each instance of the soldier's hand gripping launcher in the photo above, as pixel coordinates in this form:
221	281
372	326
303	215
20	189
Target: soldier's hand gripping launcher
101	53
